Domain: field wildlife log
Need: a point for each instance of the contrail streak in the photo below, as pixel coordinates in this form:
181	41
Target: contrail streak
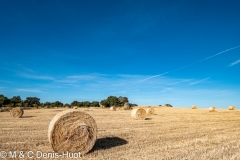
150	78
200	81
220	53
206	58
190	64
234	63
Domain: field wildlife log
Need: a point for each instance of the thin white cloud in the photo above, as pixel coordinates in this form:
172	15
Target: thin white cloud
18	68
28	69
200	81
166	89
29	90
6	81
81	77
127	75
77	78
234	63
30	76
3	87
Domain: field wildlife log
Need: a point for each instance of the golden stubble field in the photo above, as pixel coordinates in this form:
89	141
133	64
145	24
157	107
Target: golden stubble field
171	133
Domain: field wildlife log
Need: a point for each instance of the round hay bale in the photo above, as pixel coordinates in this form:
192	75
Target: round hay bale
75	107
194	107
231	108
126	106
212	109
113	108
138	113
16	112
73	131
150	111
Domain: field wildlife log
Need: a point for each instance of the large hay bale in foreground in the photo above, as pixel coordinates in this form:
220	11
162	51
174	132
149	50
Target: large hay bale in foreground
212	109
73	131
194	107
231	108
113	108
16	112
150	111
138	113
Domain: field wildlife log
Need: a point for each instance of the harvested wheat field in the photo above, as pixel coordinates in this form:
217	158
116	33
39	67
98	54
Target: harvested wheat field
171	133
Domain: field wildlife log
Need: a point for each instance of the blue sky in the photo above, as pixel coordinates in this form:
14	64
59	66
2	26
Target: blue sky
154	52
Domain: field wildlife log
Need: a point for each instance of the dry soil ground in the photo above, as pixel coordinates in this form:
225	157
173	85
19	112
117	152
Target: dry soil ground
172	133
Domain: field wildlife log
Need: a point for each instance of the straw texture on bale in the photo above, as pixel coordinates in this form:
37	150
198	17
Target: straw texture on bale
75	107
212	109
194	107
16	112
138	114
113	108
150	111
73	131
231	108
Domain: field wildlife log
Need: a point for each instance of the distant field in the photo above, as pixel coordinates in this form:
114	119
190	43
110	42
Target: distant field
172	133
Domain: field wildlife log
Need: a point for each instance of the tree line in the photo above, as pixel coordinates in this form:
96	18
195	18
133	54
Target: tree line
16	101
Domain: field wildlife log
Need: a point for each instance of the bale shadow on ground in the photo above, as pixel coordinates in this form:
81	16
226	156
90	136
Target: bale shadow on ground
28	116
108	142
148	118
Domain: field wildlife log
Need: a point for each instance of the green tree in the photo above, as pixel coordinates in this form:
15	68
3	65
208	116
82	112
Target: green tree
113	101
168	105
2	99
75	103
35	105
86	104
133	105
122	100
15	99
6	101
32	100
58	104
47	104
41	104
95	104
67	105
105	103
80	104
19	104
